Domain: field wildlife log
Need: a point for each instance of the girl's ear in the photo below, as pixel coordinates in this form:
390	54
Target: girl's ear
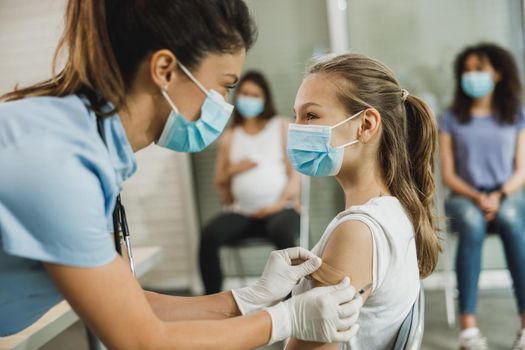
370	122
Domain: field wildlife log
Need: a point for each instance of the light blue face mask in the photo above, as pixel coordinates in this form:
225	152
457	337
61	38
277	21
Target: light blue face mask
477	84
310	149
181	135
249	107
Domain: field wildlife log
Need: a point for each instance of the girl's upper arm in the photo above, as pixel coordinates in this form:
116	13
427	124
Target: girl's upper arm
349	252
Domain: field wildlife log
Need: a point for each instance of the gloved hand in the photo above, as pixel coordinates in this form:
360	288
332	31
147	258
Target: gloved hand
277	280
324	314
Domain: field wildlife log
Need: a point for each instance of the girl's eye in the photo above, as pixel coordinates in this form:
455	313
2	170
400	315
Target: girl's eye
311	116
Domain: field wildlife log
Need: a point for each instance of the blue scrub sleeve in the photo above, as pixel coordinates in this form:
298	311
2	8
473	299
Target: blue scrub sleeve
52	206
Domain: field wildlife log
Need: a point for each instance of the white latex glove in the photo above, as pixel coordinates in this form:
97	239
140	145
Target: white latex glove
277	280
324	314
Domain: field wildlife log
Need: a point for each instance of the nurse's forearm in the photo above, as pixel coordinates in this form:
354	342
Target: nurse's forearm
239	333
209	307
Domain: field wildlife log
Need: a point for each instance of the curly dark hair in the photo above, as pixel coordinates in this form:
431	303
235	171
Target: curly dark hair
507	92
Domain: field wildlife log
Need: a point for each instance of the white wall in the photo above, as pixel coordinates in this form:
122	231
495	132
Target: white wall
290	33
29	31
159	198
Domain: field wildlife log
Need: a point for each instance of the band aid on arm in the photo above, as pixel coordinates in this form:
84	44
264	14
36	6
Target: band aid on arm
328	275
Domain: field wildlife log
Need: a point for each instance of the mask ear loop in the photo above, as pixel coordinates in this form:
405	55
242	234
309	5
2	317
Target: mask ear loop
348	144
347	119
344	121
188	73
164	92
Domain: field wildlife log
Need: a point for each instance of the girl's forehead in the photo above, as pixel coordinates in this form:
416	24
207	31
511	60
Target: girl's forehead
316	89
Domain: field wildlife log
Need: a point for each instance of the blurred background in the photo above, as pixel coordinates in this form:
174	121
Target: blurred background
172	195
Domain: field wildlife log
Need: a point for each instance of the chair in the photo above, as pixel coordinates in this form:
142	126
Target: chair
259	242
410	333
448	272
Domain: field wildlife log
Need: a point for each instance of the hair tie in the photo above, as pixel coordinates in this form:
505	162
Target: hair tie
404	94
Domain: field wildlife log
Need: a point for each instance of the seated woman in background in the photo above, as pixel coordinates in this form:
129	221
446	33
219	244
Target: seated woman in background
355	122
255	180
483	163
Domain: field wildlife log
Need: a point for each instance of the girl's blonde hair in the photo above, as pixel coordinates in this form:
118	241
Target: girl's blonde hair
408	141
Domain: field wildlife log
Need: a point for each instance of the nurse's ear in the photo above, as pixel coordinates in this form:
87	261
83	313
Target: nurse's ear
163	68
370	125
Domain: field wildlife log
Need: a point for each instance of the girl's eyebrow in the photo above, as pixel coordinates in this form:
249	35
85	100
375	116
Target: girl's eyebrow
306	105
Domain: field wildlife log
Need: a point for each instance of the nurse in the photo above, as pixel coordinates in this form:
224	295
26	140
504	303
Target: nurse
149	71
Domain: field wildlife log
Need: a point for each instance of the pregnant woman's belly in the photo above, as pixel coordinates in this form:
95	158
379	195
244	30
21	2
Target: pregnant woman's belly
259	187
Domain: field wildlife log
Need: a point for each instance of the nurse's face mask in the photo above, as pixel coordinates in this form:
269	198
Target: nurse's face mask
310	149
181	135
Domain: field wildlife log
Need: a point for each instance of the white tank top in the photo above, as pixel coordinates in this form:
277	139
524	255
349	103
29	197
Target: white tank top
262	185
395	271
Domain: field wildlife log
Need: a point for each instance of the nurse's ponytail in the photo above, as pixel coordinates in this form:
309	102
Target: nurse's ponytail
105	41
408	141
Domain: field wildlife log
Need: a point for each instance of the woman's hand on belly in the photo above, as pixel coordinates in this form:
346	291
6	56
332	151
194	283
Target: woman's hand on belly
241	167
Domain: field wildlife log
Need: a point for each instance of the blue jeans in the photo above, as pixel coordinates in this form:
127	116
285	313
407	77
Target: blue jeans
468	221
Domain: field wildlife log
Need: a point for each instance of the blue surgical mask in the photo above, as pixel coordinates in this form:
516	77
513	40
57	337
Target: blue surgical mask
249	107
477	84
181	135
310	149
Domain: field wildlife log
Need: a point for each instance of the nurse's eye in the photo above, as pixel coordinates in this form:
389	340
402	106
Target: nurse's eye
230	87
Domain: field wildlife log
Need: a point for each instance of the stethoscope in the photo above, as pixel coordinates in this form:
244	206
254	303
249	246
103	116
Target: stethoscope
120	222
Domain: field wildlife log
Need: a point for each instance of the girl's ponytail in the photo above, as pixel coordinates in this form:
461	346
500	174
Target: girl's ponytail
422	147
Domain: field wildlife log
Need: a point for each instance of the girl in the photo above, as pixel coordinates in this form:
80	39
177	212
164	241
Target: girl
356	123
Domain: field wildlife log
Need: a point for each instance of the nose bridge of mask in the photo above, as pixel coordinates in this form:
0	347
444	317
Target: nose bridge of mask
341	123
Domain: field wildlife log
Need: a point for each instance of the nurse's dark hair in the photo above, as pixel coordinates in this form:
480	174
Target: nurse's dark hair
408	141
507	92
106	40
260	80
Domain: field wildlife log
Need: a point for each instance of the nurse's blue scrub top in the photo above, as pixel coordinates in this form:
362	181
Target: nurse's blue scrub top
58	185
